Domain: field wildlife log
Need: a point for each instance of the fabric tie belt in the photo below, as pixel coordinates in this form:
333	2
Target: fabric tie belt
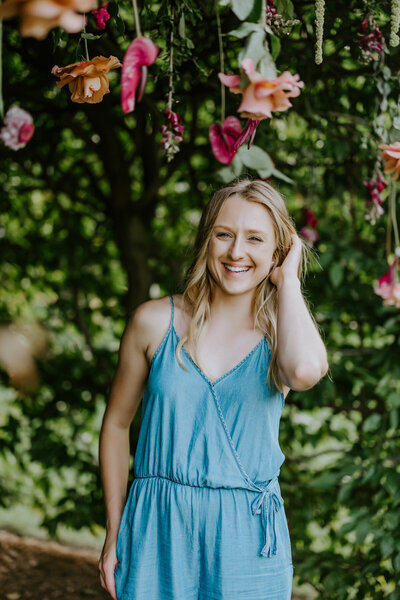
268	502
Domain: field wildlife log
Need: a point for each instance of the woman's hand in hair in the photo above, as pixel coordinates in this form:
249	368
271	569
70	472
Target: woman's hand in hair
289	268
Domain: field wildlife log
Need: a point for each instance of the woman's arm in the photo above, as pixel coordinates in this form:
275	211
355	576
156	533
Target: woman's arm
301	355
126	393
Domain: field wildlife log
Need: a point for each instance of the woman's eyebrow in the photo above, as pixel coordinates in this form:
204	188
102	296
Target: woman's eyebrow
247	230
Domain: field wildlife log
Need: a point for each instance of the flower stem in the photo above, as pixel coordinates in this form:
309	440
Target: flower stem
171	61
86	45
263	16
137	20
221	62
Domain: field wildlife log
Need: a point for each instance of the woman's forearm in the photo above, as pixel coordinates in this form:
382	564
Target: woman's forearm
114	457
302	355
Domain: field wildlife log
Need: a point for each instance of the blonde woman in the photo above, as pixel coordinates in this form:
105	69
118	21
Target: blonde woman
204	518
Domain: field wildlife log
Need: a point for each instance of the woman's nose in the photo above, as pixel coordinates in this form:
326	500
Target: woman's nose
236	249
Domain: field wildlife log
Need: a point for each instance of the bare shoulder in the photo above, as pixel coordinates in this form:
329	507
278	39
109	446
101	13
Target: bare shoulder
149	323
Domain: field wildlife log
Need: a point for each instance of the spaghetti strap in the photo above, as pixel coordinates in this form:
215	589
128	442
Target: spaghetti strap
172	313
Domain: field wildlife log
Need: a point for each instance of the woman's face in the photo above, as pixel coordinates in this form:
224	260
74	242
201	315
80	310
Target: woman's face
241	246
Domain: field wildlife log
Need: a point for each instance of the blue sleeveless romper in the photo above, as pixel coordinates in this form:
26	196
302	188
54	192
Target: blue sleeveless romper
204	518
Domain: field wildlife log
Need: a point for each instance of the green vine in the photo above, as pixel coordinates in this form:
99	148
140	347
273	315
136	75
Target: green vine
319	29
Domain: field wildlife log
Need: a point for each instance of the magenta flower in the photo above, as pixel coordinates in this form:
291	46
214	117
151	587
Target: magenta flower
140	54
101	15
223	138
309	230
172	134
372	41
18	128
387	288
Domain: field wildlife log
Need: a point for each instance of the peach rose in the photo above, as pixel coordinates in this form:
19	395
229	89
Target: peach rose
391	155
262	96
37	17
87	80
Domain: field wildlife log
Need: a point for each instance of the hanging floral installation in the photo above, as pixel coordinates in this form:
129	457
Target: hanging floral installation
140	54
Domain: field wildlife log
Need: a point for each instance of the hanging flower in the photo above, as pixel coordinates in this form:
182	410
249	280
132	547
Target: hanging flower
309	230
394	23
372	41
18	128
86	80
140	54
375	210
391	155
223	138
172	134
101	15
37	17
262	96
387	287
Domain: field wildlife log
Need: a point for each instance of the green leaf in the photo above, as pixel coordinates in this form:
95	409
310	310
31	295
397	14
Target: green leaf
280	175
372	423
336	274
255	158
245	29
181	26
285	8
90	36
242	8
275	46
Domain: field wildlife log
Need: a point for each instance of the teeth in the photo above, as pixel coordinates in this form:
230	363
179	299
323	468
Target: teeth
237	269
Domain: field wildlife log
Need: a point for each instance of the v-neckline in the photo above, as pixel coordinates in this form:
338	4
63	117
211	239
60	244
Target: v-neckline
239	364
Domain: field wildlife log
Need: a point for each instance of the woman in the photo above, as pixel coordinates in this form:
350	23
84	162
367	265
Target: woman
204	518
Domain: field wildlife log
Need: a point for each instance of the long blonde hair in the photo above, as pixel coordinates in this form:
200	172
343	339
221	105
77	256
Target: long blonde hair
199	285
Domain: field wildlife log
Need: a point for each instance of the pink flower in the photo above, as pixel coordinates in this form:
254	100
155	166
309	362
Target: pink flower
387	288
371	42
262	96
101	15
391	155
140	54
223	138
309	234
18	128
309	230
172	134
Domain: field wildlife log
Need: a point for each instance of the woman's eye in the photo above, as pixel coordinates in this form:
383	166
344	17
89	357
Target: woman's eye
256	238
221	234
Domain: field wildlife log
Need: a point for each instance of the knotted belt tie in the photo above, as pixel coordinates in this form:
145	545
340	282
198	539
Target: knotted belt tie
268	502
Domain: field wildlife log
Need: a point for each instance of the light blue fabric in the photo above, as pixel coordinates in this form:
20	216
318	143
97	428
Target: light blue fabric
204	518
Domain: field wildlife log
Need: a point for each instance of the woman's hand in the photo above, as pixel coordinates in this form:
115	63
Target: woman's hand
288	269
107	563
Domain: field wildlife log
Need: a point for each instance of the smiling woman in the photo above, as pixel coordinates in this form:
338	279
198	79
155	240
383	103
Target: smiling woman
204	516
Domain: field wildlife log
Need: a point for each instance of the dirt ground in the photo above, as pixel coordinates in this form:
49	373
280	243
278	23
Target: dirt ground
32	569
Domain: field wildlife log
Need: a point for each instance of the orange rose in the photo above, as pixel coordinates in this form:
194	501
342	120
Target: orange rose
37	17
391	155
86	80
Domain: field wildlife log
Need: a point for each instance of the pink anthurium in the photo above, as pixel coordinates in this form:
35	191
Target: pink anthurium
223	138
140	54
387	288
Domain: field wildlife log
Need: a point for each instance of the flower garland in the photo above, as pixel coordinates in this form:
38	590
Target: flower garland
319	29
394	23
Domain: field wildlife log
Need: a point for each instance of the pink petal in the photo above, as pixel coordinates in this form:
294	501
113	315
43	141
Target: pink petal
141	52
222	139
231	81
